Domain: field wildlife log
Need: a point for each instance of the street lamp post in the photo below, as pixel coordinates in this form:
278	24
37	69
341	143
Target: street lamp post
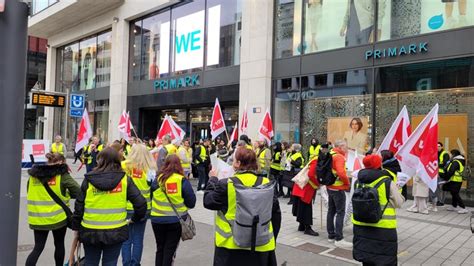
13	50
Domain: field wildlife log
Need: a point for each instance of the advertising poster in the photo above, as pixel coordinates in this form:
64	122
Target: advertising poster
36	147
351	129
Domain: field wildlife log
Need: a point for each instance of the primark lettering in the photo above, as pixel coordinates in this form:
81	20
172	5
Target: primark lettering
410	49
176	83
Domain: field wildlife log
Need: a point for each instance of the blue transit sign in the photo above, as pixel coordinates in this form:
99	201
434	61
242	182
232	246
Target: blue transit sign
76	112
77	101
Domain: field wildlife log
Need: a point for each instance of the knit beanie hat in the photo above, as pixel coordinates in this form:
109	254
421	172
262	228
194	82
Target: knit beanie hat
372	161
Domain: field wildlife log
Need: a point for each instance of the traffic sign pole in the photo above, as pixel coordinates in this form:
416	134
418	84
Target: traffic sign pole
13	47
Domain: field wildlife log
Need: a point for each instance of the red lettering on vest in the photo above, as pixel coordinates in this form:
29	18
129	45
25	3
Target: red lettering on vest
137	173
118	188
171	188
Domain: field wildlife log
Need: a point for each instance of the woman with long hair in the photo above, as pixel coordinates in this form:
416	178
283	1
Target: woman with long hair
141	167
44	214
170	189
100	213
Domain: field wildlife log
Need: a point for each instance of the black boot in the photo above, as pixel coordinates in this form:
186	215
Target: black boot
301	227
309	231
291	201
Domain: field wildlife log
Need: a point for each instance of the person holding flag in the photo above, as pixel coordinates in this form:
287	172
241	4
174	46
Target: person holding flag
217	121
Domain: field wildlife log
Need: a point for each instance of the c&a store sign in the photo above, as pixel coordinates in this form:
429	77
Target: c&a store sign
176	83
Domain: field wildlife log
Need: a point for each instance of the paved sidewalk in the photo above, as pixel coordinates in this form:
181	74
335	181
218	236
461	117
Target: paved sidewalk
441	238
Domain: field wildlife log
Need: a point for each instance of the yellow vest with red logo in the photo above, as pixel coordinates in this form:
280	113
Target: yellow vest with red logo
139	178
160	205
42	209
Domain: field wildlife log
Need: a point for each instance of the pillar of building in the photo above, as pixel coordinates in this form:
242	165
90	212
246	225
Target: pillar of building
256	61
118	75
50	85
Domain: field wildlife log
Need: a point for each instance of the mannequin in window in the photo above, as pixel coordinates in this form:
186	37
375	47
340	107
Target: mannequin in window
313	16
451	22
358	25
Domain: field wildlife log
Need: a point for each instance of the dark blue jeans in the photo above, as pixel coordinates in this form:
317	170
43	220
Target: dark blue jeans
336	208
203	178
109	253
132	248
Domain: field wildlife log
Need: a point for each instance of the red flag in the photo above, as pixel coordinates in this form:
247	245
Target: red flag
177	132
235	133
125	126
165	129
419	155
217	121
398	133
245	121
266	128
85	131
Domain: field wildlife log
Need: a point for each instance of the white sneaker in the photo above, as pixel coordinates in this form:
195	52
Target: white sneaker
425	212
343	244
200	192
451	208
412	209
331	240
462	211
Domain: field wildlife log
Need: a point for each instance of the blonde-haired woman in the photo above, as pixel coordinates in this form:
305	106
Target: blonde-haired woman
141	168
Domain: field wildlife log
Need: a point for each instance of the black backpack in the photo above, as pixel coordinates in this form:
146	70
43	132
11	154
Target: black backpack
324	169
365	201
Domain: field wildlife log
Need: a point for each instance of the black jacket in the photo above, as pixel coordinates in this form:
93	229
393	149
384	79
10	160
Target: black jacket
215	198
378	246
454	166
107	181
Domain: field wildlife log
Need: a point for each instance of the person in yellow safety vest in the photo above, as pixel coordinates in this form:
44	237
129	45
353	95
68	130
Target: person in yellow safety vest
44	214
141	167
391	167
264	157
91	153
171	191
443	158
202	160
314	148
276	168
58	146
454	173
295	161
377	243
100	211
185	154
248	143
221	197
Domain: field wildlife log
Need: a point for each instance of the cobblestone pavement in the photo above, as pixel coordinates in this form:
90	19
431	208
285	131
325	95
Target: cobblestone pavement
440	238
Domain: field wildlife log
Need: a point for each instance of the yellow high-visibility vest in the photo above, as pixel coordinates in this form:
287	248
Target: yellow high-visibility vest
139	178
160	205
314	152
42	209
457	177
106	209
57	148
389	218
189	155
223	230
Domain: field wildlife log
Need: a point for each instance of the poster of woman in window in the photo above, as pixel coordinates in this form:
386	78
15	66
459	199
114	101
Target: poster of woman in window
351	129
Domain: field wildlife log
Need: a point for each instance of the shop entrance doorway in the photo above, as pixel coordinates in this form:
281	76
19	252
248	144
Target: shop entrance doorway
200	130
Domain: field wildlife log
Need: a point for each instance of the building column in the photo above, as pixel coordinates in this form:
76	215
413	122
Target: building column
50	85
256	61
118	75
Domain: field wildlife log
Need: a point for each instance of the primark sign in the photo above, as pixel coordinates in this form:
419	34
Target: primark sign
189	81
411	49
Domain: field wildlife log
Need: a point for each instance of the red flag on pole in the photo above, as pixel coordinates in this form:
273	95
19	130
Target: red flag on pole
245	121
398	133
169	127
419	155
125	126
85	131
235	133
266	128
217	121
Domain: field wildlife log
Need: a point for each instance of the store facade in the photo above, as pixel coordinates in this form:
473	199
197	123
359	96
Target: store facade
181	59
329	75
